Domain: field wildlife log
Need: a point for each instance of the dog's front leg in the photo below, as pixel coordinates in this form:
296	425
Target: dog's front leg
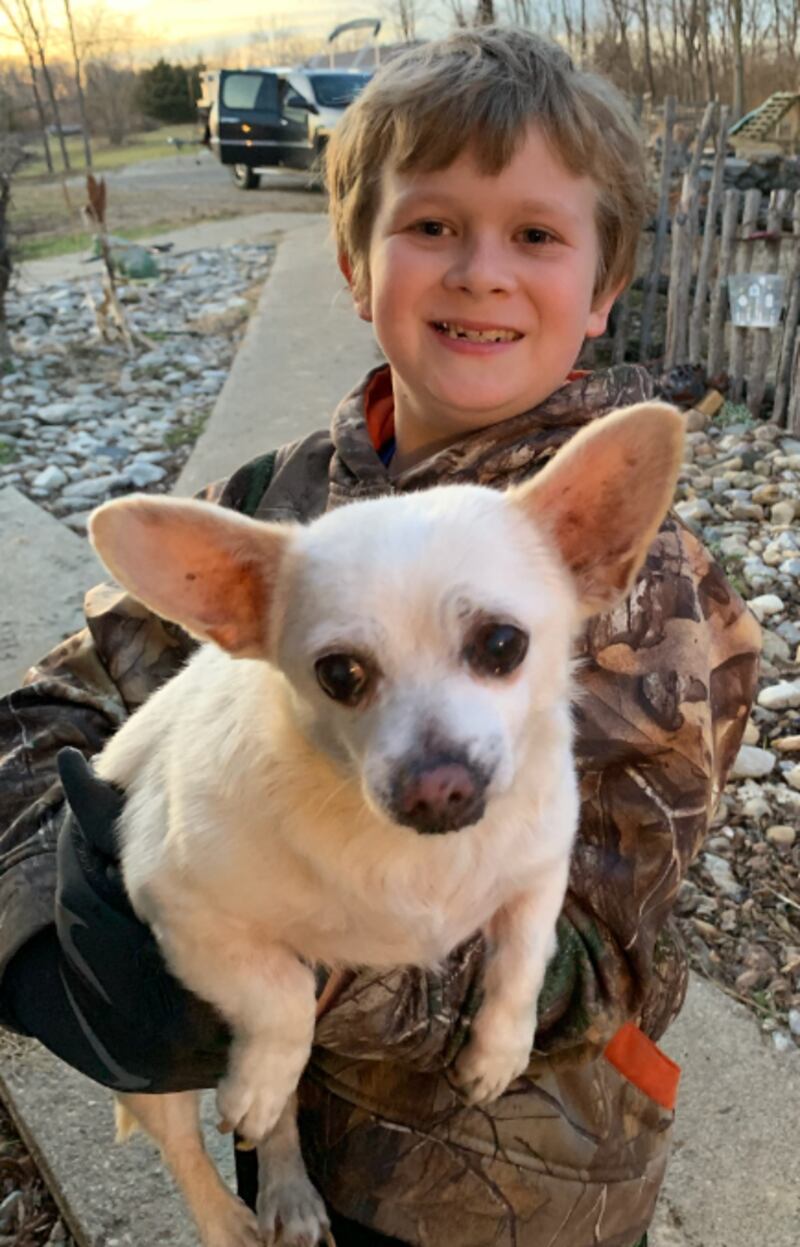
522	940
273	1032
266	994
173	1121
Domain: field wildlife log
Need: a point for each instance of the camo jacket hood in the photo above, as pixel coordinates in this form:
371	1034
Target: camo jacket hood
574	1154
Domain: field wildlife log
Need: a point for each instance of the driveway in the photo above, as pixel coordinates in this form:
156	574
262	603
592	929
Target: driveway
174	191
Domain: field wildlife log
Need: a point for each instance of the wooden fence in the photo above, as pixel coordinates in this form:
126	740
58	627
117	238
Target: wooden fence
716	235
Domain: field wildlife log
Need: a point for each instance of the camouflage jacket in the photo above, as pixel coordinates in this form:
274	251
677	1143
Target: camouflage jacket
574	1153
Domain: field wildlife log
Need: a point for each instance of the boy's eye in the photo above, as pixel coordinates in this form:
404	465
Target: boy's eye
431	229
496	649
537	236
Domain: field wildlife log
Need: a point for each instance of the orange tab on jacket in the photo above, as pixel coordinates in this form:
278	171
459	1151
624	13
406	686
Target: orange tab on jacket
639	1060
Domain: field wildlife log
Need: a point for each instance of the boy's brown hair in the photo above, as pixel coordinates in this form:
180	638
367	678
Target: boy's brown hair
481	88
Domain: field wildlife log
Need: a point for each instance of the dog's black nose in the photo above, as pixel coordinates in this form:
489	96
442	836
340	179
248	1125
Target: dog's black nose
444	796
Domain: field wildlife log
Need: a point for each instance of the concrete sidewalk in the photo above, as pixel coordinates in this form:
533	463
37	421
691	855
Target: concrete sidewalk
734	1179
303	351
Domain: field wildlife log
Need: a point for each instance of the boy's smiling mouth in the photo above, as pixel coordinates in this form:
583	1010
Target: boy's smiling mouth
465	332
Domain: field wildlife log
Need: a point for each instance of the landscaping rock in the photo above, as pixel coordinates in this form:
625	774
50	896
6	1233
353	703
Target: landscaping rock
783	696
752	763
781	835
93	407
739	909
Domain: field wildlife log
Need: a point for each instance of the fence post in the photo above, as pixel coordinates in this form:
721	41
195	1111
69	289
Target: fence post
700	305
684	231
680	271
793	422
719	294
790	323
744	258
762	338
659	243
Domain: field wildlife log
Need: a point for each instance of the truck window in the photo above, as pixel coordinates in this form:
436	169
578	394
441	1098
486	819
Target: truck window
337	90
248	92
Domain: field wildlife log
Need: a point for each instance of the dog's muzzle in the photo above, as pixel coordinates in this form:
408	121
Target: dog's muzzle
439	794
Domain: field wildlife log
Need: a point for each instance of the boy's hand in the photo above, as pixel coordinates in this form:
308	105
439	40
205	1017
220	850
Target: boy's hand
110	1008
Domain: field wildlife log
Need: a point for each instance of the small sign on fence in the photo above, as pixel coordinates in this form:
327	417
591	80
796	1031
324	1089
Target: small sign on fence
756	300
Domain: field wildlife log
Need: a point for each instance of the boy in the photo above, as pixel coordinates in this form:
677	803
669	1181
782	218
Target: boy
487	200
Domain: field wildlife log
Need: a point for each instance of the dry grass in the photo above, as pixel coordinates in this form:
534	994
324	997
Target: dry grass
44	223
152	145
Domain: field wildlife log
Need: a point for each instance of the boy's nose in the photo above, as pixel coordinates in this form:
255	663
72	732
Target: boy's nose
481	266
438	796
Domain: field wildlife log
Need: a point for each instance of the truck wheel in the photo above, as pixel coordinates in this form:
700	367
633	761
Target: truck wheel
245	178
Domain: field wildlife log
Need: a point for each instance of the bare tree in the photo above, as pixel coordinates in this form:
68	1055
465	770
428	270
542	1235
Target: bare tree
621	17
404	15
111	102
689	19
37	31
76	62
696	49
12	156
566	13
278	42
16	23
705	38
736	16
459	12
520	12
644	13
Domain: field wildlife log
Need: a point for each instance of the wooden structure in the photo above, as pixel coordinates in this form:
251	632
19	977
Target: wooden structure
744	234
772	128
708	237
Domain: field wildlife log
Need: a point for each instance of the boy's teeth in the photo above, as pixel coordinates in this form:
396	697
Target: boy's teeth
477	335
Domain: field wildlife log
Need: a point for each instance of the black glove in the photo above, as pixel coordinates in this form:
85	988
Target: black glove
94	987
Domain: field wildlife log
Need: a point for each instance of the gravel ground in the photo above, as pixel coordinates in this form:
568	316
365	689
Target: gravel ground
740	907
81	420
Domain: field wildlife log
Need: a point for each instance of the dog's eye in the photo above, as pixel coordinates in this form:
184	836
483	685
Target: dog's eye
343	677
496	649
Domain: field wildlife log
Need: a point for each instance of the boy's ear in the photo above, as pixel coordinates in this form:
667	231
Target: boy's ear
601	310
345	268
604	495
361	298
206	568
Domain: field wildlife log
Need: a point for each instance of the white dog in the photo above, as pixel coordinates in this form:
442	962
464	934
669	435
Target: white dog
372	762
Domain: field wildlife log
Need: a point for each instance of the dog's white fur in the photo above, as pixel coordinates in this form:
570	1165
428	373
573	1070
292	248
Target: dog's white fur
259	826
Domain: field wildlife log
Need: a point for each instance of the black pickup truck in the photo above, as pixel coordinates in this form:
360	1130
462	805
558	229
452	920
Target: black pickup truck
257	119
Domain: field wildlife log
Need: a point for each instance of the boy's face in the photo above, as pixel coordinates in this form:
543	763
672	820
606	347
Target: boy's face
459	255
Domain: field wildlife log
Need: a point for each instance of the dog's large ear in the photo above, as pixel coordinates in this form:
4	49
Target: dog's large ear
202	566
604	495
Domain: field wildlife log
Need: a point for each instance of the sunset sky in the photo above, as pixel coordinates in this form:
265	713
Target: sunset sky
185	27
211	19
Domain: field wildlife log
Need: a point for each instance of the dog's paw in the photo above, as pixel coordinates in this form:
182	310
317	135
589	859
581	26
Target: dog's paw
481	1074
291	1212
249	1108
260	1080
